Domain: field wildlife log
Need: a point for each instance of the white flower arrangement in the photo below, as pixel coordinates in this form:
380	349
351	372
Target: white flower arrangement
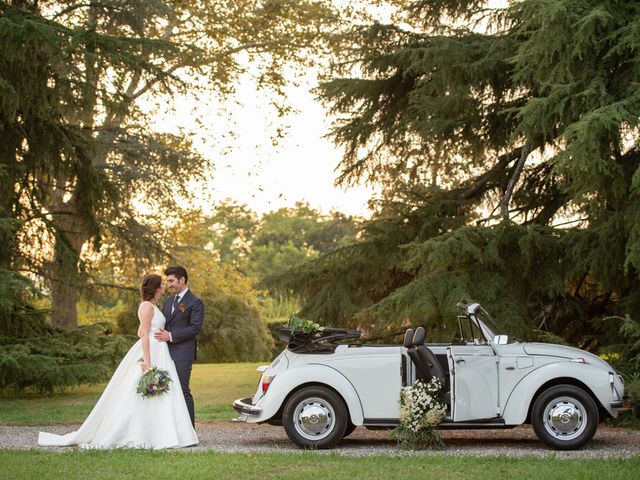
420	413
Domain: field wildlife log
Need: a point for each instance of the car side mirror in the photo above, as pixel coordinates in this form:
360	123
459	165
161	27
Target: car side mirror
501	339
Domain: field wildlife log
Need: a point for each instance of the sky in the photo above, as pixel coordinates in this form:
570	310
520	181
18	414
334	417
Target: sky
249	167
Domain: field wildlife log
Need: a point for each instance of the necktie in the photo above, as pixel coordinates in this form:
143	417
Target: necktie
175	303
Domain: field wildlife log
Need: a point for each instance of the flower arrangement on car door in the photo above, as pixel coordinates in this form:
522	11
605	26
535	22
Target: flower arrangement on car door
420	415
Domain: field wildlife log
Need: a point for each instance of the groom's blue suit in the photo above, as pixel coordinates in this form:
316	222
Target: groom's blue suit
184	324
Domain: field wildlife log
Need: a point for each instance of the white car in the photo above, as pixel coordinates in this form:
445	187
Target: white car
320	391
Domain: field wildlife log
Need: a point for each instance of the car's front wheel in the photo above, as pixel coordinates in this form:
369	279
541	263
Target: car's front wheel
315	417
350	429
565	417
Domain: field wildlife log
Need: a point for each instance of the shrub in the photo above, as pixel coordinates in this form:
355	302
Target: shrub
61	359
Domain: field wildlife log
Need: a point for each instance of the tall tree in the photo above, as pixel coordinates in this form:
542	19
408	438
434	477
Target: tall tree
71	80
265	246
233	228
234	330
305	226
506	142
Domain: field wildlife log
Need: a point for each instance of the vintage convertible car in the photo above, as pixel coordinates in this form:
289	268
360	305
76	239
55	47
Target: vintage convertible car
320	390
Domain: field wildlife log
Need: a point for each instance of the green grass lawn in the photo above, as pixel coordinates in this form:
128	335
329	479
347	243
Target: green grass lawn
186	465
214	388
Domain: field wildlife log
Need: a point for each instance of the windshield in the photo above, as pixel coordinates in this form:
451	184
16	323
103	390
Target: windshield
470	331
489	324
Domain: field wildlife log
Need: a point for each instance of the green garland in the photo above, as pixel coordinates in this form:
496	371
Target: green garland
307	326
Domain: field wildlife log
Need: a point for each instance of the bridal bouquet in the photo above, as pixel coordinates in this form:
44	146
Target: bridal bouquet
154	382
420	414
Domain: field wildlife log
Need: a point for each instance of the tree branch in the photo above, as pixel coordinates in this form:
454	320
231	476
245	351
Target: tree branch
504	203
480	183
226	53
76	6
248	46
135	94
70	9
111	285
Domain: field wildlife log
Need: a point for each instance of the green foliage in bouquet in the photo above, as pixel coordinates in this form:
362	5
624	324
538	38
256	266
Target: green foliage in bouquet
420	414
154	382
307	326
60	359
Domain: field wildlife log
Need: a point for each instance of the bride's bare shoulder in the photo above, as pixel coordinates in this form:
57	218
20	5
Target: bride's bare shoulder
145	305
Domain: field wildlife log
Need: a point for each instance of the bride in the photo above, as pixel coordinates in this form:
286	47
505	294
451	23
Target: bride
122	418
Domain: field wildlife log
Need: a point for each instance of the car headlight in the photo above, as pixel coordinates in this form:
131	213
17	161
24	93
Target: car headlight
612	379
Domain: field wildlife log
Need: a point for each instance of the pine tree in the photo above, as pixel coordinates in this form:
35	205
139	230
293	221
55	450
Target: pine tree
506	144
70	79
62	359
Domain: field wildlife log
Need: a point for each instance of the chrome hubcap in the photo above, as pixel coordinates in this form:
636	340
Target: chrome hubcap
565	418
314	418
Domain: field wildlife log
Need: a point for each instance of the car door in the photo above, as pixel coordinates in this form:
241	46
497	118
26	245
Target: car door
375	373
474	379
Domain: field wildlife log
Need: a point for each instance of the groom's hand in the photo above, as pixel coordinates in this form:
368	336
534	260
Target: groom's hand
162	336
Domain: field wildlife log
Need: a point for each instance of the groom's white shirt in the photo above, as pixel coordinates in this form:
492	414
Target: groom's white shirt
173	306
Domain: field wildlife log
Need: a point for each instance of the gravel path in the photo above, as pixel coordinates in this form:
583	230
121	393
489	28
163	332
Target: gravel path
237	437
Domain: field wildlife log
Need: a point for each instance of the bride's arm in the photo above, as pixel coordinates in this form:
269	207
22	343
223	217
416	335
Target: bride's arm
145	315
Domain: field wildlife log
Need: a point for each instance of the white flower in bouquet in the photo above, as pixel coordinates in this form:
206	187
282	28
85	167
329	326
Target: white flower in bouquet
433	417
420	413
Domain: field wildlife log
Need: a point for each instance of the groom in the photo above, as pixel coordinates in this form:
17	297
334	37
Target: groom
184	313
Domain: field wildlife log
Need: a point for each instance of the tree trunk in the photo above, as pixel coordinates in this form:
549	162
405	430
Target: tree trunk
64	269
11	143
64	313
71	228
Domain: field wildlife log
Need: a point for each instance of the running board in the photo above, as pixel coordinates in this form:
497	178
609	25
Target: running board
475	424
380	422
484	423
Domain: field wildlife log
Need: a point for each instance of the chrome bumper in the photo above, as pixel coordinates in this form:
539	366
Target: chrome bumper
245	407
622	405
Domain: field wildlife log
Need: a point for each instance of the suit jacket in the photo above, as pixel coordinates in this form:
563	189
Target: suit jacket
184	326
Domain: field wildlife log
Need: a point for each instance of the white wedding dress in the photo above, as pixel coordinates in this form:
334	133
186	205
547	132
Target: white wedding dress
122	418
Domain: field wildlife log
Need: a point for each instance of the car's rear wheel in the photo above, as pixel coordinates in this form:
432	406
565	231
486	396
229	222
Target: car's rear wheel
315	417
565	417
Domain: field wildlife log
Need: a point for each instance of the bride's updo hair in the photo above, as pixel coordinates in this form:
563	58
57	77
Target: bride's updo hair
150	285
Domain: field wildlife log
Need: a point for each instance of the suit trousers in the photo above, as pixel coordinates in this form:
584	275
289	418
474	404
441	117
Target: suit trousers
184	375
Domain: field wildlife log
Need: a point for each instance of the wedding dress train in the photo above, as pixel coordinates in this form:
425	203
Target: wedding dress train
123	418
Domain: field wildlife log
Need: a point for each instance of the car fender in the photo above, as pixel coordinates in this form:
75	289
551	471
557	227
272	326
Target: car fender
595	378
289	380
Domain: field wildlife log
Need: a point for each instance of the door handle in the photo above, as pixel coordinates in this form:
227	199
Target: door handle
460	360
